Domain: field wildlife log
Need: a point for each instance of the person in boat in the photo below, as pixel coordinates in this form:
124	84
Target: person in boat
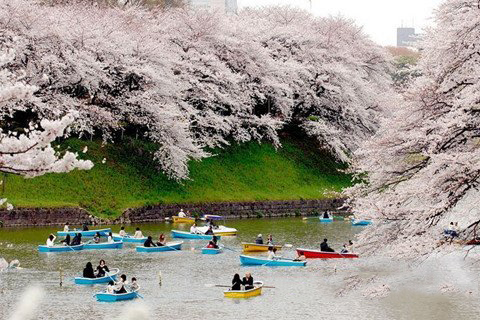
209	231
248	281
88	271
215	240
300	257
111	287
120	285
76	240
85	226
134	285
181	214
96	238
344	249
350	246
122	232
51	240
326	215
66	241
102	269
259	239
138	234
270	240
66	227
451	231
161	240
212	245
237	282
325	247
271	253
110	238
193	229
149	242
188	213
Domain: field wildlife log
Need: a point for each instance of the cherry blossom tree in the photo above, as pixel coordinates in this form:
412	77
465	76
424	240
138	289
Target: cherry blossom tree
421	170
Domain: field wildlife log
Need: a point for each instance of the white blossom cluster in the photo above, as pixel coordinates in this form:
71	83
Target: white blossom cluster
421	171
194	80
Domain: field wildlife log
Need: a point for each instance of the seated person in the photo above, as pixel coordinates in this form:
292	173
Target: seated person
324	246
271	253
248	281
122	232
111	287
236	282
88	271
120	285
181	214
102	269
212	245
138	234
149	242
300	257
134	285
259	239
193	229
66	241
51	240
209	231
77	240
85	226
326	215
110	238
161	240
96	238
66	228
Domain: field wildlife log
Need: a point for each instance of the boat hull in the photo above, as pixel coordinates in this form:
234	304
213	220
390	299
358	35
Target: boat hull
103	246
244	294
192	236
356	222
89	233
170	246
108	297
326	220
221	231
211	251
117	237
253	247
183	220
90	281
316	254
254	261
58	249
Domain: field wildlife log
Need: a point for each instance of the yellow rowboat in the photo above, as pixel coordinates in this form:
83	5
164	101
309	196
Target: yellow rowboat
242	294
253	247
177	219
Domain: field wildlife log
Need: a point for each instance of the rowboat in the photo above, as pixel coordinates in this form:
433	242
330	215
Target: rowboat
60	248
191	236
316	254
254	261
242	294
104	245
359	222
220	231
211	250
326	220
89	233
177	219
212	217
129	239
253	247
112	297
112	275
170	246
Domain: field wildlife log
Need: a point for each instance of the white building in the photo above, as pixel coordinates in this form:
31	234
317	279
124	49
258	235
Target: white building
229	6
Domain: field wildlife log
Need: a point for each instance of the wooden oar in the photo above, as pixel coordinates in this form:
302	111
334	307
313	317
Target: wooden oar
226	286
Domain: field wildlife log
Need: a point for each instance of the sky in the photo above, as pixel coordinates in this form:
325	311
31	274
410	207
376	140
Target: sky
379	18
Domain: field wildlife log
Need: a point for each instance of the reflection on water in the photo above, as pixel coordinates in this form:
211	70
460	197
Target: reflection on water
309	292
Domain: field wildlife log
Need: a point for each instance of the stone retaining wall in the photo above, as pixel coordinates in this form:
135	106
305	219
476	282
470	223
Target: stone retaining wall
230	210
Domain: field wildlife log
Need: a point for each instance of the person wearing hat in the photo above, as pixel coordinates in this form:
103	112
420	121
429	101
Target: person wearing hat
259	239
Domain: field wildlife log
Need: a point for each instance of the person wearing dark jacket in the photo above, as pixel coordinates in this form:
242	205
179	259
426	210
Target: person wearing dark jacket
102	269
149	242
76	240
325	247
236	282
88	271
67	240
209	231
259	239
248	281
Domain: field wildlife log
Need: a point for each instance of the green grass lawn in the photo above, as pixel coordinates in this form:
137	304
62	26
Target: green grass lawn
129	178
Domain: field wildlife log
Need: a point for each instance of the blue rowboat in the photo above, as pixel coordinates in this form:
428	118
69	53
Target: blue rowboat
102	246
129	239
112	275
326	220
112	297
60	248
359	222
211	251
254	261
89	233
191	236
170	246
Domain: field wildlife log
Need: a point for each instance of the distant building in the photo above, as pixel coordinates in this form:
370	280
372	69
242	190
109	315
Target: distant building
228	6
405	37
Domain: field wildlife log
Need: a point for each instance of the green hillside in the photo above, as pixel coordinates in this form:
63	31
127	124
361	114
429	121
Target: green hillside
129	178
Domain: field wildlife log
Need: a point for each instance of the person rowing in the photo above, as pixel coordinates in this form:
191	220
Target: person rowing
138	234
96	238
271	253
215	240
259	239
248	281
209	231
237	282
161	240
149	242
212	245
193	229
120	285
134	285
51	240
88	271
326	215
66	241
77	240
325	247
102	269
122	232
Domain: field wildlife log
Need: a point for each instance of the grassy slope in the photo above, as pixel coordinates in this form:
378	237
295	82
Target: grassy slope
247	172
